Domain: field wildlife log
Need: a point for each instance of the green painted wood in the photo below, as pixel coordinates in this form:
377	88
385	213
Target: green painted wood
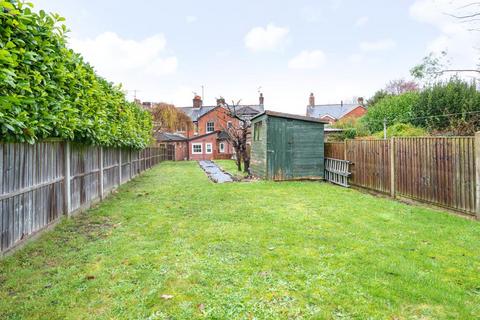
258	157
292	149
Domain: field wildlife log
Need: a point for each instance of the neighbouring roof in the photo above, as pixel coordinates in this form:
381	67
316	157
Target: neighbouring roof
223	135
203	135
290	116
166	136
335	111
241	110
328	129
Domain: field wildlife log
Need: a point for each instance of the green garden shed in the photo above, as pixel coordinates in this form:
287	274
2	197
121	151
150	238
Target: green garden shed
287	147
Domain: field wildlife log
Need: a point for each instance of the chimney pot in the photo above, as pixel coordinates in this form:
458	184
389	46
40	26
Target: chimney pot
261	99
197	102
311	100
360	101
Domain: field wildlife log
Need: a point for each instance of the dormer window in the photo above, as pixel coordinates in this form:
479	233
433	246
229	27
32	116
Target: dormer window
210	126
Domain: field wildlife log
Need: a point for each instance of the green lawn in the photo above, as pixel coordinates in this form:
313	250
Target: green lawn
231	167
173	245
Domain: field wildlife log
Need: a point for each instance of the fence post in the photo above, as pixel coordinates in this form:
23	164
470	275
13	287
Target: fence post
477	174
66	178
392	167
119	166
100	174
345	149
130	162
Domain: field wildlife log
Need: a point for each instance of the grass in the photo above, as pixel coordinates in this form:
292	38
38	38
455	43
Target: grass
173	245
231	167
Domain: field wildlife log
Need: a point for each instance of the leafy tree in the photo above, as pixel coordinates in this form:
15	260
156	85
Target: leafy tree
166	117
379	95
392	108
47	90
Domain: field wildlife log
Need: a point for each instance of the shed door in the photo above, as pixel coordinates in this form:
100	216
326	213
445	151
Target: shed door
281	149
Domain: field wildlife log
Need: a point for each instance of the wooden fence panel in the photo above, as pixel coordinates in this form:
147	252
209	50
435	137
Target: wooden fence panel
110	168
31	193
85	175
32	182
437	170
335	150
370	164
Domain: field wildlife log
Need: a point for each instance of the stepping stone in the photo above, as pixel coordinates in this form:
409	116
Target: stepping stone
214	172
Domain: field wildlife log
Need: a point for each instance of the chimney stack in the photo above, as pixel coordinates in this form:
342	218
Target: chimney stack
221	101
360	101
197	102
311	100
260	99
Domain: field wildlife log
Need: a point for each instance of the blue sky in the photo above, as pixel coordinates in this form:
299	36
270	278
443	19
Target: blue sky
338	49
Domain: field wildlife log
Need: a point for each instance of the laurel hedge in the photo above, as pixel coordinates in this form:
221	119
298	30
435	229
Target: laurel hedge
47	90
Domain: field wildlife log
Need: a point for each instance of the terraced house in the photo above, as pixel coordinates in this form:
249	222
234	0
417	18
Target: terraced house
335	112
208	139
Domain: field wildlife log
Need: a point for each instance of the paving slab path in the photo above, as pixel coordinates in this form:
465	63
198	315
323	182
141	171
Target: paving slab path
214	172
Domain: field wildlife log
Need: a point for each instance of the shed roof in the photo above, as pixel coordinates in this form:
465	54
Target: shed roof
290	116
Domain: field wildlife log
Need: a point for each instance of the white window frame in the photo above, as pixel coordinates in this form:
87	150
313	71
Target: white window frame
197	144
207	145
221	147
206	129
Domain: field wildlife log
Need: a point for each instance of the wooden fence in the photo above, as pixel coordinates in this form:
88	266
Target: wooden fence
443	171
40	183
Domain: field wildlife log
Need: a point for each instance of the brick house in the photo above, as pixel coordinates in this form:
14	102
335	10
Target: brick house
208	139
335	112
179	141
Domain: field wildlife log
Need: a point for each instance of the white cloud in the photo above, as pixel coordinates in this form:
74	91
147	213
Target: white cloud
118	59
361	21
191	19
454	36
267	38
307	60
380	45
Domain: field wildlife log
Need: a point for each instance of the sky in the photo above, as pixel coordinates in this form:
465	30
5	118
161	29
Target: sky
165	51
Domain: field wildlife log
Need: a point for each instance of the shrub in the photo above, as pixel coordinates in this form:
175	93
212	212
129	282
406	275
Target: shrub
402	130
353	128
392	108
47	90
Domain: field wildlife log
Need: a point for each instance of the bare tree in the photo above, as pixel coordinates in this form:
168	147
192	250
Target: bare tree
400	86
238	136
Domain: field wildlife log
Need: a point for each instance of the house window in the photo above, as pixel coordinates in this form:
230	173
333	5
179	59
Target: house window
222	147
210	126
196	128
196	148
208	148
229	124
257	131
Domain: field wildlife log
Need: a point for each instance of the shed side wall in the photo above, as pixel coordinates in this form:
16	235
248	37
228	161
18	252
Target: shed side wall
258	158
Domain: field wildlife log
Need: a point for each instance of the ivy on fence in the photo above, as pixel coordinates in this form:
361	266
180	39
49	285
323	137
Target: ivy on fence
47	90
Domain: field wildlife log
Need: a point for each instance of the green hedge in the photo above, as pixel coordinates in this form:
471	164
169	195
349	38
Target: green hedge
395	109
450	105
47	90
